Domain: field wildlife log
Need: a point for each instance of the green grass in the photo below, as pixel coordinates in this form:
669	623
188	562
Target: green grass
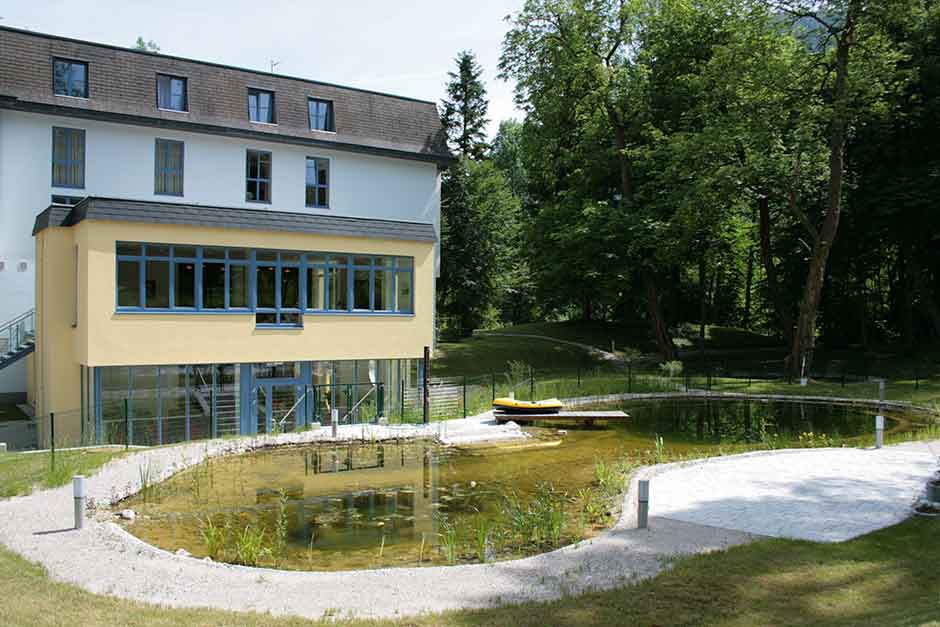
597	334
889	577
10	411
21	472
485	354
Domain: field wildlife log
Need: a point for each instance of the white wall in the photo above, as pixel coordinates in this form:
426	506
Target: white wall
119	163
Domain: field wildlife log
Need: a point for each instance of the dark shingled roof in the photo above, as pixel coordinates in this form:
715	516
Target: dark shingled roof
122	89
94	208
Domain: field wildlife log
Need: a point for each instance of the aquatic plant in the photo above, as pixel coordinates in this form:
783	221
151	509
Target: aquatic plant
593	505
481	536
539	521
659	454
449	540
607	477
279	548
147	475
214	537
249	547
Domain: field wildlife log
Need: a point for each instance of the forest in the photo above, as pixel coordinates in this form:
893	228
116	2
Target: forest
762	164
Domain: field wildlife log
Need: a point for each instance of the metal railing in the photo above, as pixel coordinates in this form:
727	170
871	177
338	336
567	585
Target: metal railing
18	332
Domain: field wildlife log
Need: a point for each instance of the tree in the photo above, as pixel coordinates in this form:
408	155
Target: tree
146	46
463	112
477	211
857	63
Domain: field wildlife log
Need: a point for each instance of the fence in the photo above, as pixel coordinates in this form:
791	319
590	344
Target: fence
175	419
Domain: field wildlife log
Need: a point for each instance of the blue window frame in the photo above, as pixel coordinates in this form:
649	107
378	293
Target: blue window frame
68	157
318	182
278	286
168	167
321	114
261	106
70	78
258	176
172	93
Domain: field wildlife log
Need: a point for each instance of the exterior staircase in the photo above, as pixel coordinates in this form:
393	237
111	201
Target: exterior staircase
17	338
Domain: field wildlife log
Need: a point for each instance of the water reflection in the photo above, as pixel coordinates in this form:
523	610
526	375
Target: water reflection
369	505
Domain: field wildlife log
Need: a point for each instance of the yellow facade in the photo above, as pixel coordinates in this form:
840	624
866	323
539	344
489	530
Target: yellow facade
77	321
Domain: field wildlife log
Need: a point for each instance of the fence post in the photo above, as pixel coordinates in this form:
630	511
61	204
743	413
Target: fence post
380	402
127	424
427	384
629	378
52	437
213	426
465	396
401	401
531	384
579	376
493	382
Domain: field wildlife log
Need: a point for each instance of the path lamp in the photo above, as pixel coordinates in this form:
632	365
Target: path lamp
879	431
78	492
643	504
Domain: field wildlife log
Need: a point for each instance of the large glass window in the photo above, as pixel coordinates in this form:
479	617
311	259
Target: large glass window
261	106
168	167
68	157
128	283
321	114
258	177
70	78
277	285
171	93
318	182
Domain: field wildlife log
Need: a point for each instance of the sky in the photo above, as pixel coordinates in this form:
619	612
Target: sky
404	48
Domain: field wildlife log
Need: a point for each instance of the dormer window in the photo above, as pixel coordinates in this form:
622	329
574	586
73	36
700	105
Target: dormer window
171	93
321	114
261	106
70	78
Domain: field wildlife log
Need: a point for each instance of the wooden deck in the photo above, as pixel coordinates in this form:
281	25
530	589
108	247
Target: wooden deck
587	417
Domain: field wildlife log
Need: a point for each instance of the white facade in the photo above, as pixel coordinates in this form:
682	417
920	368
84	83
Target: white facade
119	163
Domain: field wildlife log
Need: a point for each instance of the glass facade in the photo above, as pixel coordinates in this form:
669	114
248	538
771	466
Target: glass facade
154	405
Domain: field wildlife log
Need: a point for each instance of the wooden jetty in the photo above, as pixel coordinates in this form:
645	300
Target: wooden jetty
587	417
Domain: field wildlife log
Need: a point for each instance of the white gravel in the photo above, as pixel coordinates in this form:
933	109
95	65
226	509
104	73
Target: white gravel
826	495
103	558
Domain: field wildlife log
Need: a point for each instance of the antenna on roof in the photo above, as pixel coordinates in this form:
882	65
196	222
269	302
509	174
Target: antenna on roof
274	64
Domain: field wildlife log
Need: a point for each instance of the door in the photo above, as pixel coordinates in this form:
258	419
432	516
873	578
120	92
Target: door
277	406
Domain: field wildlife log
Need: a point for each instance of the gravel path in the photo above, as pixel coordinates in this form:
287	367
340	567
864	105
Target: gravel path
826	495
104	558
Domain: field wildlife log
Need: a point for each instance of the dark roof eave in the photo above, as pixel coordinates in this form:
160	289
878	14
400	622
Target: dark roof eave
14	103
151	212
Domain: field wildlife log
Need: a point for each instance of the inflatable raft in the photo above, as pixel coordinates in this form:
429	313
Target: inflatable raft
514	406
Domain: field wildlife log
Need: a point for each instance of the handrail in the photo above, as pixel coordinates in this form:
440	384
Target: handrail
17	319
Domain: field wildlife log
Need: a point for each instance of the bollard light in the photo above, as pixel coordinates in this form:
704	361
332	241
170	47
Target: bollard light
879	431
334	419
78	492
643	505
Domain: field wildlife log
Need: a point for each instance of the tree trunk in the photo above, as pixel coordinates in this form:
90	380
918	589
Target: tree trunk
804	339
767	260
656	318
906	280
924	292
703	307
748	283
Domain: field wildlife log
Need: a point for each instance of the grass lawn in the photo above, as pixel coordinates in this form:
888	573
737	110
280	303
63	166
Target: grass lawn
21	472
886	578
484	354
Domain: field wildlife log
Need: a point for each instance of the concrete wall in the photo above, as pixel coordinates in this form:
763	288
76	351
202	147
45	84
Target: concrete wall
120	163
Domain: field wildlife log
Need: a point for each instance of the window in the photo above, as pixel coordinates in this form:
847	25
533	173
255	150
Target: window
278	286
321	114
258	177
58	199
261	106
70	78
168	167
68	157
318	182
171	93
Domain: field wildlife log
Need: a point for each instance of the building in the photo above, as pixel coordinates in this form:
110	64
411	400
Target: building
208	249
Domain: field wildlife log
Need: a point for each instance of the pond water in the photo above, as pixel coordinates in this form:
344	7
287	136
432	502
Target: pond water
400	504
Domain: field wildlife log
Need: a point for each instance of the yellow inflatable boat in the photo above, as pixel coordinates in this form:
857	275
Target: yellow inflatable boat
513	406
